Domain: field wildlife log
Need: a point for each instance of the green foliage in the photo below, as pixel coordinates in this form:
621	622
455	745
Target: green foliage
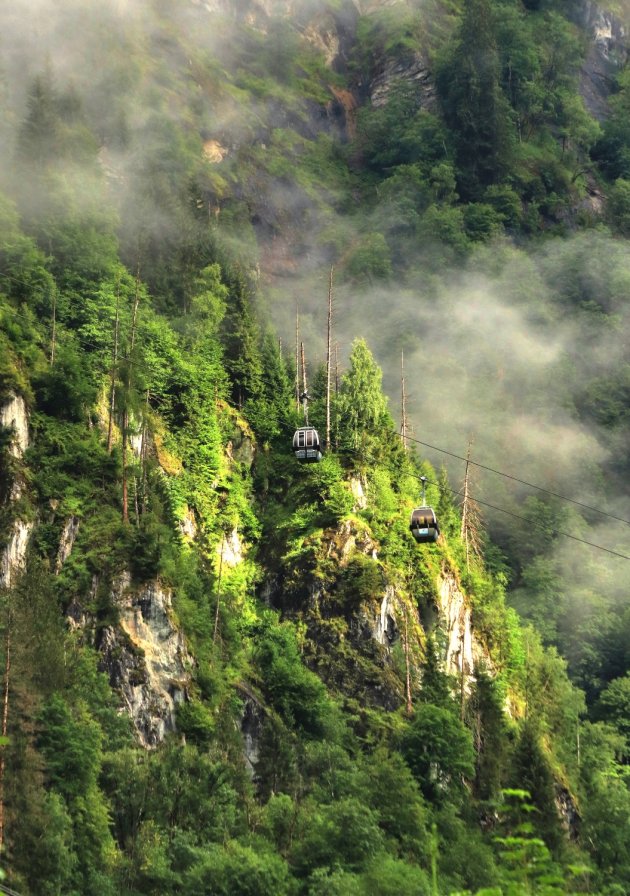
474	106
613	707
370	260
525	861
236	869
619	206
399	133
348	795
485	711
531	772
344	833
439	752
363	409
295	692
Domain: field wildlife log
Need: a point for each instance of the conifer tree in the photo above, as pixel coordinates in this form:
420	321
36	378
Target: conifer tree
362	406
38	141
241	340
474	106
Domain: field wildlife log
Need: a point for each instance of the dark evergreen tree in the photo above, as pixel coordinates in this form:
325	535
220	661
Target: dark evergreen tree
39	137
242	339
435	683
474	106
530	771
486	717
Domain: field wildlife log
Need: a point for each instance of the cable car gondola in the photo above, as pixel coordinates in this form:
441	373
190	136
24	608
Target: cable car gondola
424	525
306	445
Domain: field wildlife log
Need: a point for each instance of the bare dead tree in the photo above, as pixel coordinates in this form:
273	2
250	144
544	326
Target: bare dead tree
462	680
125	420
303	361
409	705
5	721
403	401
297	359
471	515
216	612
144	454
328	355
54	327
125	485
134	316
336	394
304	396
112	387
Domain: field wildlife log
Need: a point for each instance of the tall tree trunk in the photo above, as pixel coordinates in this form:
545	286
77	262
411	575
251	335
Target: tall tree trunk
403	401
5	725
216	612
409	706
297	359
328	355
143	455
112	387
305	389
54	328
125	488
471	517
125	432
462	683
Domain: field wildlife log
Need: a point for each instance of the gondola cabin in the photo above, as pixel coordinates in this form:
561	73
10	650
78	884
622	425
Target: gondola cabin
424	525
306	445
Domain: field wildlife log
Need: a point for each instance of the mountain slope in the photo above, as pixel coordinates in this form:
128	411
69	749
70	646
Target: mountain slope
228	672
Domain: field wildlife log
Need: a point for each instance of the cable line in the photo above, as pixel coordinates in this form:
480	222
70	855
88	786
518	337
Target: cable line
591	544
146	369
518	516
539	488
8	890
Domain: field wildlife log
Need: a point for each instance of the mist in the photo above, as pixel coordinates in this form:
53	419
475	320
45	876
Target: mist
500	358
495	350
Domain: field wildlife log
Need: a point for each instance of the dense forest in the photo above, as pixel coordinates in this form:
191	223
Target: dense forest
228	672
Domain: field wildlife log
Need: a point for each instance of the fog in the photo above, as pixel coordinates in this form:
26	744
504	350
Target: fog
496	349
501	358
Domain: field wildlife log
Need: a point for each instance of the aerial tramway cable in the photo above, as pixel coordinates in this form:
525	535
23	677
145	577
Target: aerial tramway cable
409	438
553	531
539	488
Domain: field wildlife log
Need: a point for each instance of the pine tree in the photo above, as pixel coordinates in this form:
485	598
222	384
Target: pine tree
38	140
474	106
241	340
362	406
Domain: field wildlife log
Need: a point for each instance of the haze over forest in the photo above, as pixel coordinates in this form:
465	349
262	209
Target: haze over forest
258	647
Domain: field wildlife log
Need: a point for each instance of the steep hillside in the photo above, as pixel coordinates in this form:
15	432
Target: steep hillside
228	672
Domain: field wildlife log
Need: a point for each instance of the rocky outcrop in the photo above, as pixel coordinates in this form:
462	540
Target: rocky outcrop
385	629
348	540
358	487
414	72
455	617
231	551
14	416
607	54
146	659
13	557
252	720
67	540
188	525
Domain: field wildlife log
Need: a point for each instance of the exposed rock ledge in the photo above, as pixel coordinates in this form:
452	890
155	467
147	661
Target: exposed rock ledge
147	662
13	557
13	415
462	651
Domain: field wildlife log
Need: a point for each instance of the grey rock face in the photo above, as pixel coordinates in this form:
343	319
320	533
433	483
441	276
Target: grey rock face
146	659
